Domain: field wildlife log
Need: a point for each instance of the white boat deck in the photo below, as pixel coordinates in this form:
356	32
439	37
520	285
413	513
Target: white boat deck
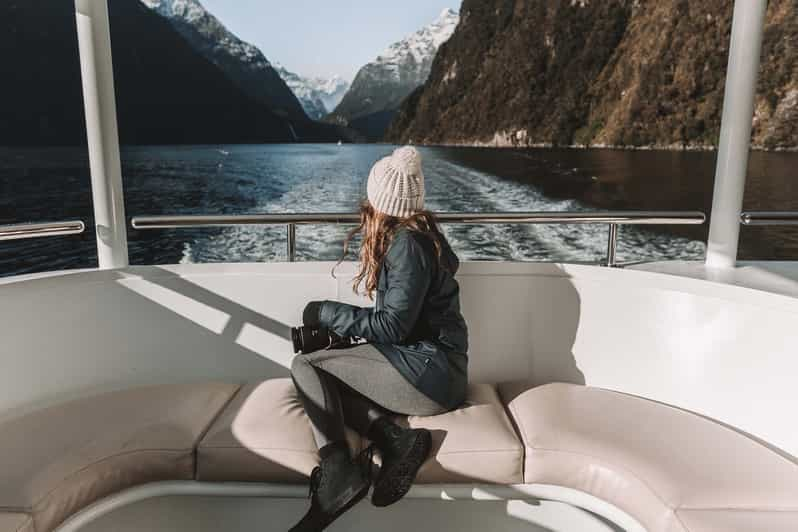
775	277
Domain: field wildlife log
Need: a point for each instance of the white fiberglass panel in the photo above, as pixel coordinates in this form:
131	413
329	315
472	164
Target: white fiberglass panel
720	350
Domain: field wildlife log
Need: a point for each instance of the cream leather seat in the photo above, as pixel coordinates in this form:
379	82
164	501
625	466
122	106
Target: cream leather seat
60	459
264	436
738	520
671	469
475	443
16	522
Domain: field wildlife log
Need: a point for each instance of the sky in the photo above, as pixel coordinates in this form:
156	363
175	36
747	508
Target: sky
325	37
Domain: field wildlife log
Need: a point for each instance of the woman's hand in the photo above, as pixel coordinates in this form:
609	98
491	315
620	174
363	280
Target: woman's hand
311	316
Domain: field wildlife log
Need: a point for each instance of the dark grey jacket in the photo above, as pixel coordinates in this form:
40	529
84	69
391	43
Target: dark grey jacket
416	321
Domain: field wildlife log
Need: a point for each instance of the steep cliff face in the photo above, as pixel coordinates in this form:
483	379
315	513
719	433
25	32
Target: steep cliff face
610	72
776	111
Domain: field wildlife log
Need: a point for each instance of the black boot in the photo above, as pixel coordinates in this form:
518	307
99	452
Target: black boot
335	486
403	452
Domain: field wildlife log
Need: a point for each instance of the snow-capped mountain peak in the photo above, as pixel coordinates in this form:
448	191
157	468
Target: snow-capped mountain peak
192	13
242	62
190	10
423	44
381	86
318	96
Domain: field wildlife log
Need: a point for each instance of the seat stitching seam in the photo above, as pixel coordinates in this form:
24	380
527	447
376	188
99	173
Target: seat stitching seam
16	509
679	519
241	447
519	419
210	425
512	451
25	523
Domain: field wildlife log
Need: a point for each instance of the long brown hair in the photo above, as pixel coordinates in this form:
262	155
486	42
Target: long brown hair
378	230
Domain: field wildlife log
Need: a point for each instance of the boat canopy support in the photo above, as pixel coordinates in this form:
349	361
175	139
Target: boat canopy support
96	66
735	132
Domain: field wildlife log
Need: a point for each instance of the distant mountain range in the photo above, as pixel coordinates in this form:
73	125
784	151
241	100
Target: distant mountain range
170	88
608	73
380	87
539	72
318	96
242	62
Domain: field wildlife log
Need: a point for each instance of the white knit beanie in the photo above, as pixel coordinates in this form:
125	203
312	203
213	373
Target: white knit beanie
396	183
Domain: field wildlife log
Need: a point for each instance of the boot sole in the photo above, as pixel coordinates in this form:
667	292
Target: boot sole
358	496
319	522
394	484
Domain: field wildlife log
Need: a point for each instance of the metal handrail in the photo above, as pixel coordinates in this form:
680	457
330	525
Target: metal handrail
769	218
39	230
612	218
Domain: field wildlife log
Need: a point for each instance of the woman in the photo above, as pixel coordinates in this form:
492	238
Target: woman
414	363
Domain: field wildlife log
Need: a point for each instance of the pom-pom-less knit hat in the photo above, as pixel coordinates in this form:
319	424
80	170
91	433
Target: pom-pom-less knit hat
396	183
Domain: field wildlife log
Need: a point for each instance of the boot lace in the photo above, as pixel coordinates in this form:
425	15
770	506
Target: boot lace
365	460
316	478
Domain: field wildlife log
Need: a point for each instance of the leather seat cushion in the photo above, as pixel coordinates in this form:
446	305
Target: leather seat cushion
475	443
58	460
15	522
263	435
647	458
738	521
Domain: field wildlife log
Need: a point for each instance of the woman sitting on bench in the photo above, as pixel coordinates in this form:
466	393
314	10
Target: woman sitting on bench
414	363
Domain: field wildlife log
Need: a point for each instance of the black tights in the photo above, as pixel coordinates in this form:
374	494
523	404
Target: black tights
331	405
354	387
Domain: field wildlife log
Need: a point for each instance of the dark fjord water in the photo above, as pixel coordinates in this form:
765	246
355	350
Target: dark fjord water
53	184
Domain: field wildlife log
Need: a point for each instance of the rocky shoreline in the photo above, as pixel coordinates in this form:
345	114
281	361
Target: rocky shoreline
503	141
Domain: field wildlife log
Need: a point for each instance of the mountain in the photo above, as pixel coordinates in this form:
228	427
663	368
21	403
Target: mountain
380	87
242	62
332	91
609	73
178	97
318	96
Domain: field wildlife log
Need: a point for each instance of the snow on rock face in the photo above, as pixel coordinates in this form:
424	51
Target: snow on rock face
192	12
332	91
412	57
382	85
318	96
244	63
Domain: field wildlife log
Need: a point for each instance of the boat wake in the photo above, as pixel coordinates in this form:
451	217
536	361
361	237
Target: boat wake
450	188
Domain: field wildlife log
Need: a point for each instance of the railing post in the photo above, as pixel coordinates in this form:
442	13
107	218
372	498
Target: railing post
612	246
291	242
735	132
96	67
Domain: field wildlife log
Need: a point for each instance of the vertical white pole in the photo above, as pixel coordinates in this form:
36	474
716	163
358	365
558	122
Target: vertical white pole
96	66
735	132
